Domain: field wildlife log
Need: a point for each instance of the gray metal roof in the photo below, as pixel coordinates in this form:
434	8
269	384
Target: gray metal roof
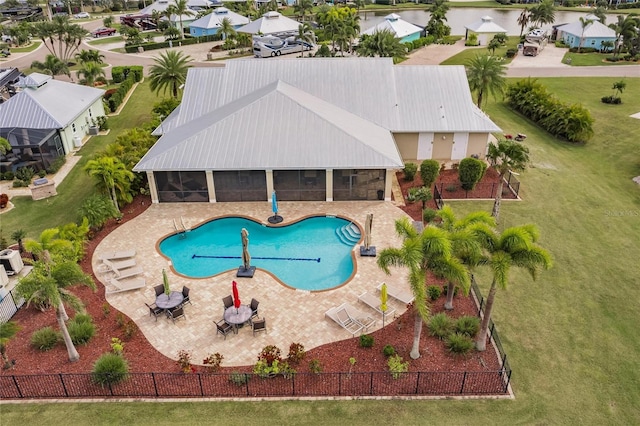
270	23
594	30
53	105
485	25
396	25
276	127
214	19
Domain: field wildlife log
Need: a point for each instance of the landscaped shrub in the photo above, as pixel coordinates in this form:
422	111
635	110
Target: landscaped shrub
315	366
184	362
571	122
213	361
109	369
440	325
583	50
452	187
422	194
472	40
511	53
459	344
296	352
98	209
428	215
397	366
388	351
44	339
611	100
409	171
8	175
366	341
270	354
445	290
25	174
4	200
467	325
81	329
429	171
433	291
56	165
239	379
470	172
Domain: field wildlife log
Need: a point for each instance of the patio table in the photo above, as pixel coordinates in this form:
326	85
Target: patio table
237	317
169	302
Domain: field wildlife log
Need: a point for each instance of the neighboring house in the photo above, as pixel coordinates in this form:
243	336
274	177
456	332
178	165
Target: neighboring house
271	23
46	119
313	130
403	30
162	5
210	24
8	78
573	35
485	29
187	20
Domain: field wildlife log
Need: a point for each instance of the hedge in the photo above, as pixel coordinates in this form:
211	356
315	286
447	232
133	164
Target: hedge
571	122
119	74
116	99
165	44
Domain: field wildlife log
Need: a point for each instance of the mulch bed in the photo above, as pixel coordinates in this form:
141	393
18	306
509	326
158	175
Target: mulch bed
143	357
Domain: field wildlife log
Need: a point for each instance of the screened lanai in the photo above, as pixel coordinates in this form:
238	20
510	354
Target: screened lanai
35	148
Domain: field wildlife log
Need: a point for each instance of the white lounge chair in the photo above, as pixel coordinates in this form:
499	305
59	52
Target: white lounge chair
400	295
117	255
128	285
374	303
109	266
121	274
350	318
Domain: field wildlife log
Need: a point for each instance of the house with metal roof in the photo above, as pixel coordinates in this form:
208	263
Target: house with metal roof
574	35
401	29
485	29
211	23
46	119
313	130
270	23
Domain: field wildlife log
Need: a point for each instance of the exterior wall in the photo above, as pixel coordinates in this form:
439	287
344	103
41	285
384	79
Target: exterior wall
407	144
477	144
81	125
593	42
442	146
200	32
410	37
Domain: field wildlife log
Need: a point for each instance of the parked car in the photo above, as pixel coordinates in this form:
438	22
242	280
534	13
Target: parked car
103	31
82	15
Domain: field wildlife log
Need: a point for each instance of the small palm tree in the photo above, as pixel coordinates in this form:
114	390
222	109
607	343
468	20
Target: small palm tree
113	175
18	235
169	72
52	65
50	282
493	44
90	72
301	7
506	156
226	28
584	23
5	146
305	35
49	247
619	87
181	8
8	331
384	44
524	19
486	74
91	55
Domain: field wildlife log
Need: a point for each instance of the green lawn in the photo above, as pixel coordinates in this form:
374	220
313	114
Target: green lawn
35	216
30	48
591	59
105	40
463	57
571	336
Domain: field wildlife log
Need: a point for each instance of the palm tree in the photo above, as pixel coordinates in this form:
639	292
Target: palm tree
18	235
523	20
60	37
384	44
493	44
626	28
301	7
517	247
543	13
619	87
486	74
113	175
584	23
169	72
91	55
50	282
49	247
466	246
429	250
90	73
436	26
181	8
52	65
305	35
506	156
8	331
226	28
5	146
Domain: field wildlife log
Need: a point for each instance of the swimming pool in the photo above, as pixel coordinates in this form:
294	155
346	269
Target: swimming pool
312	254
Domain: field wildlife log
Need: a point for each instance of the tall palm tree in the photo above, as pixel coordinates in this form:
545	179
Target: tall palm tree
514	247
305	35
90	72
226	28
543	13
466	246
52	65
505	156
422	252
91	55
169	72
50	247
8	331
50	282
626	28
584	23
113	175
384	44
302	7
523	20
181	8
493	44
486	74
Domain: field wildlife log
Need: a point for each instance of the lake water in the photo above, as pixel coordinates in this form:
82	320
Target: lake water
458	17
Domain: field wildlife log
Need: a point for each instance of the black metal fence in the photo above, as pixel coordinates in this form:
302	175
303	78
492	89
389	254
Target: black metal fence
437	197
510	187
9	305
242	385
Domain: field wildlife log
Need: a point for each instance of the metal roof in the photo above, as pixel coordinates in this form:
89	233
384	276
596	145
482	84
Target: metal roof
485	25
396	25
53	105
240	136
214	19
270	23
594	29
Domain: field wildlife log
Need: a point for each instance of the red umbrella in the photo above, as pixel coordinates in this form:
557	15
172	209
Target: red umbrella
236	297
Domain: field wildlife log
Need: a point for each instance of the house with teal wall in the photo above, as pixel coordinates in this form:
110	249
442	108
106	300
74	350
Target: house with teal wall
211	23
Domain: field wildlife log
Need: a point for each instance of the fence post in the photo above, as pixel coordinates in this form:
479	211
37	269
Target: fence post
200	382
371	383
506	387
64	387
293	385
15	382
246	382
339	383
109	383
464	378
417	383
155	385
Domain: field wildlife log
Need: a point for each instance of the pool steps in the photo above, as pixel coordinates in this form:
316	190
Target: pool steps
348	234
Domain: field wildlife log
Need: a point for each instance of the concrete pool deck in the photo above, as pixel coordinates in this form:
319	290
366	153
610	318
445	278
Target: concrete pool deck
292	315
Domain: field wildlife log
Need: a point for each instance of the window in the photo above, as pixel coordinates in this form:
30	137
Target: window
90	113
73	127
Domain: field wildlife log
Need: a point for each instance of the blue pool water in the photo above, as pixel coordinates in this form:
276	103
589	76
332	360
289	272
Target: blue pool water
312	254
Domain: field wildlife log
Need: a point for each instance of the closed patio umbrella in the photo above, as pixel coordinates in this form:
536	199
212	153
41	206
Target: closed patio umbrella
367	249
274	207
383	301
236	296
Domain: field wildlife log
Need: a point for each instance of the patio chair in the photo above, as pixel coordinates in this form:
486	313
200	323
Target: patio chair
128	273
254	309
259	325
159	289
345	319
374	303
185	295
117	255
128	285
109	266
177	313
400	295
228	302
154	310
224	328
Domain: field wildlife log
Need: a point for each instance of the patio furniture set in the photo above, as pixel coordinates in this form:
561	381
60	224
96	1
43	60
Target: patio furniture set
172	304
122	266
234	318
